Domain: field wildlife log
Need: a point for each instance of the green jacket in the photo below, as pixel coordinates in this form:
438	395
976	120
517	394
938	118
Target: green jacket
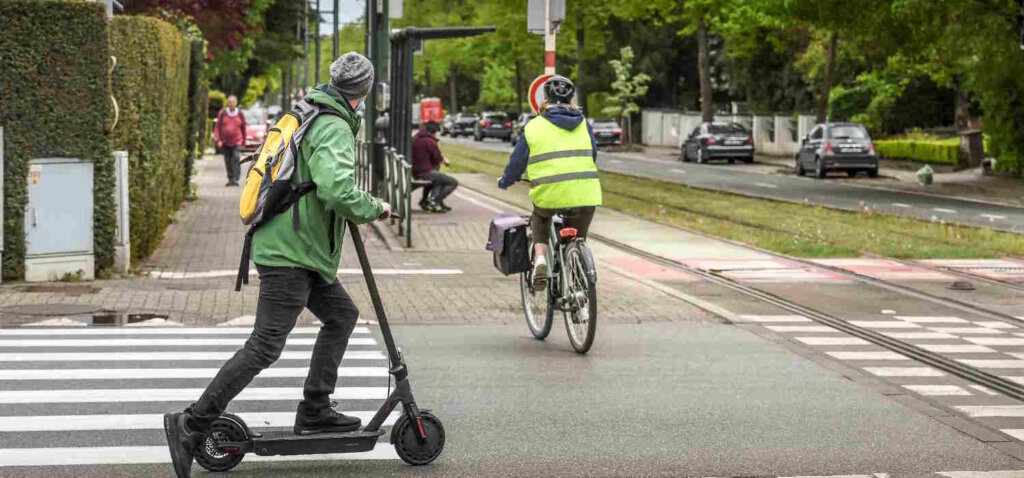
326	157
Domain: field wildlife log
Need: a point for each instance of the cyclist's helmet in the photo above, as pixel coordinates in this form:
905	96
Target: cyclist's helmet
559	90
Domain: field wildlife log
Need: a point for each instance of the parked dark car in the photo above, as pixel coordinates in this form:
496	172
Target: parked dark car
606	131
719	140
447	125
464	124
837	147
517	127
493	125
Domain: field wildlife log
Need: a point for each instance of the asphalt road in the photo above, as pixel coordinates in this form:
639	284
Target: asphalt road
657	399
752	181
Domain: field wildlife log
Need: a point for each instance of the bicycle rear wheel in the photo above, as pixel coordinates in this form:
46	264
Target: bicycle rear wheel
581	311
537	307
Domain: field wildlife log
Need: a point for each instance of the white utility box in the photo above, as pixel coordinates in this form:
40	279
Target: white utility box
59	220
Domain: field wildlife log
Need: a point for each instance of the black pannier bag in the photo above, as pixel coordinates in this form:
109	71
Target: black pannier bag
508	241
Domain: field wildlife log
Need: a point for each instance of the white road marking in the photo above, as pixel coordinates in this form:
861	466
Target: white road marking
967	330
171	373
341	272
774	318
122	455
993	363
904	371
800	328
884	324
678	171
880	355
996	325
614	161
956	348
902	205
983	389
989	474
995	340
944	210
166	356
123	395
53	423
992	217
766	185
157	331
919	335
930	319
832	340
937	390
155	342
985	411
888	312
489	207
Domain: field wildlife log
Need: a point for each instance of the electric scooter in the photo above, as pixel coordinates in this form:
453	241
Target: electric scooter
418	436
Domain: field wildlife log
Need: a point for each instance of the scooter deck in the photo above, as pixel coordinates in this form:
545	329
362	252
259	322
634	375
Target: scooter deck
288	443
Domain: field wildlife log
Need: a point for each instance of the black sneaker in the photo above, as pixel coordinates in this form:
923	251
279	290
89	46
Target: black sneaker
327	420
425	205
182	442
434	207
444	207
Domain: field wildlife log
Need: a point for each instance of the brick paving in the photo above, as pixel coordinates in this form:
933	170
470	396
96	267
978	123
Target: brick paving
206	237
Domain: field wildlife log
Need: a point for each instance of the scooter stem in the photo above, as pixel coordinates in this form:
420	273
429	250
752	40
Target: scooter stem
397	363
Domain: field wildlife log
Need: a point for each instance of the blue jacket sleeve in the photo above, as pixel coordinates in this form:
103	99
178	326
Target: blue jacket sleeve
516	164
593	140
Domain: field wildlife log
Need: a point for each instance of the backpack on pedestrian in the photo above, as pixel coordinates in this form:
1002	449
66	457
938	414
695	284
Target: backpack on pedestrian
269	189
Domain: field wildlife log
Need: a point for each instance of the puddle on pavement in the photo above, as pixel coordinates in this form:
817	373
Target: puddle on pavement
116	319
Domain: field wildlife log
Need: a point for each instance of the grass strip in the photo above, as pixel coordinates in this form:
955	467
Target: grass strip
795	229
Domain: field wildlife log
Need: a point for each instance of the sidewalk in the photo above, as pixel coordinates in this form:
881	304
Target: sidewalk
448	278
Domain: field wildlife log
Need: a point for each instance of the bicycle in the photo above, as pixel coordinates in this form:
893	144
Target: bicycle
571	287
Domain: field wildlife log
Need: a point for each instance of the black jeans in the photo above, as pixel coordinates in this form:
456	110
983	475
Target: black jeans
232	155
441	185
284	292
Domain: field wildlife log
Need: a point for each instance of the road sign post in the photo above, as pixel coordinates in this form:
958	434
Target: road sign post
543	17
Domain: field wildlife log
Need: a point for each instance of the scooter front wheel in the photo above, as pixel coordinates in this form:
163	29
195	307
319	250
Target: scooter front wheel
413	449
227	428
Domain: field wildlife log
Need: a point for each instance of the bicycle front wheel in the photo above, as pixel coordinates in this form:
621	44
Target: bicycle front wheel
581	311
536	306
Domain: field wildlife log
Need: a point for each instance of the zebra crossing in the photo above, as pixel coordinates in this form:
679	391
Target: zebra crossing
96	396
993	346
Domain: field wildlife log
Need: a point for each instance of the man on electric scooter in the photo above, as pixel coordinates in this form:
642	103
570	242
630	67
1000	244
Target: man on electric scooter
298	269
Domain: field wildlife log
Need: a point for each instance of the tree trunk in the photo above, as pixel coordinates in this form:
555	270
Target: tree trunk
706	111
580	43
962	115
830	59
519	90
451	89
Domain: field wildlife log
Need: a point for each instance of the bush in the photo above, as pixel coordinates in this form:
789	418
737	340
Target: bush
55	102
927	150
217	101
197	98
151	85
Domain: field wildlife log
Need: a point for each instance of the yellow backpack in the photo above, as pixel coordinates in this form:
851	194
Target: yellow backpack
269	189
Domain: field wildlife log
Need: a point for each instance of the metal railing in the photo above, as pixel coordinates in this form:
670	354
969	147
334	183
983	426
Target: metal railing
396	187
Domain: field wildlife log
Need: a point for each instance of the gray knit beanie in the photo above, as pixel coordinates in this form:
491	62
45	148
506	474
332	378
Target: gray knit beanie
352	75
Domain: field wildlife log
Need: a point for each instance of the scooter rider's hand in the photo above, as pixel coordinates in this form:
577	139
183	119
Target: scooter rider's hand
385	211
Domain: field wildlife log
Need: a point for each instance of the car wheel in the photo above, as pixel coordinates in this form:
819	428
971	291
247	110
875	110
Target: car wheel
700	156
749	160
819	168
873	173
732	160
684	157
799	168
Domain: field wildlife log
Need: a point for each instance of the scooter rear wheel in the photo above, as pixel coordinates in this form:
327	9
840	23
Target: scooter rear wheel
410	447
223	429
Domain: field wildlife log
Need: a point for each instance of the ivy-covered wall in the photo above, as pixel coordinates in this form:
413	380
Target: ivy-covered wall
54	102
150	83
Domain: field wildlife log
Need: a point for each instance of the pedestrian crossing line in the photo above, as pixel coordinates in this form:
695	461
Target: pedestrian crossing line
967	330
1018	434
127	455
361	330
158	342
904	372
937	390
992	363
956	348
168	356
875	355
992	324
983	389
63	423
987	411
832	340
884	324
919	335
995	340
171	373
176	395
985	474
800	328
774	318
930	319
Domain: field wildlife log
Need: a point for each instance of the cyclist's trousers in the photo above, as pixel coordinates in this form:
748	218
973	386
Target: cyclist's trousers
540	221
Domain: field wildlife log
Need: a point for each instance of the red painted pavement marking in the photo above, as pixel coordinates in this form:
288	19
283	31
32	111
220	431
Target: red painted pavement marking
999	269
886	270
765	270
648	270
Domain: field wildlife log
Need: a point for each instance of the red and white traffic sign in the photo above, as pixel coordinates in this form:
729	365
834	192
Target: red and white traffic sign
537	92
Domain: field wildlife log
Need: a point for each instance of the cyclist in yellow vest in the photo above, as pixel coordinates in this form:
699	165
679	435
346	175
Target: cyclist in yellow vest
558	153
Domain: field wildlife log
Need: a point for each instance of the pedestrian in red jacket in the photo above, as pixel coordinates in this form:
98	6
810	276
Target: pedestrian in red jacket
426	164
230	135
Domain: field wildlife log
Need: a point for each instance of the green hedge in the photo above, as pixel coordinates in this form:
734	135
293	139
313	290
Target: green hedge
55	102
935	151
151	87
217	101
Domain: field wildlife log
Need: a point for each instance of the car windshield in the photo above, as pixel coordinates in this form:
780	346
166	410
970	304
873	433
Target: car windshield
497	118
847	132
467	118
604	123
253	117
726	128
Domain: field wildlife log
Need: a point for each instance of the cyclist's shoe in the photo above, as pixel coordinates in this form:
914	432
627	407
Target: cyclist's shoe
182	442
540	273
327	420
425	205
434	207
444	207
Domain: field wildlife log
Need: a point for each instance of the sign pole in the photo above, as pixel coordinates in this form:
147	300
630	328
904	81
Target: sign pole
549	41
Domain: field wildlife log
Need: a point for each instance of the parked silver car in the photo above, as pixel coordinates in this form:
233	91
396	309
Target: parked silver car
837	147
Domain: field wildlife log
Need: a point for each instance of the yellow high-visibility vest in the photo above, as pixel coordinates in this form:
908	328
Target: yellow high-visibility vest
561	166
